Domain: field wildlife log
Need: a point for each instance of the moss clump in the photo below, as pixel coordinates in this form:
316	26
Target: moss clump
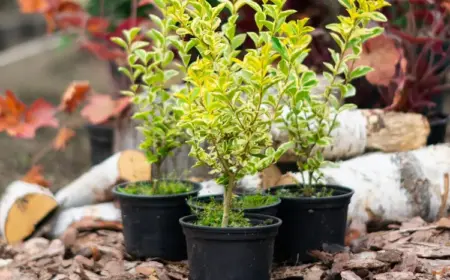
211	213
310	192
255	201
211	216
243	202
157	188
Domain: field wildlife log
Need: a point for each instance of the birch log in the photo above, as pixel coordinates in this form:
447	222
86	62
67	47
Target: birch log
22	208
368	130
95	185
388	186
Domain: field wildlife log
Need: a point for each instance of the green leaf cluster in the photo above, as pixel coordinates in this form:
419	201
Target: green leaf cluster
311	118
231	99
150	73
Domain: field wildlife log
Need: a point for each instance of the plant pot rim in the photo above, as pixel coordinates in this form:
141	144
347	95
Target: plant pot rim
185	222
195	190
278	202
438	118
349	193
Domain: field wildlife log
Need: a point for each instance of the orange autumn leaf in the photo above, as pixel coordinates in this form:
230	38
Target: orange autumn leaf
62	138
33	6
34	176
382	54
101	107
97	25
22	122
11	110
57	14
446	5
74	95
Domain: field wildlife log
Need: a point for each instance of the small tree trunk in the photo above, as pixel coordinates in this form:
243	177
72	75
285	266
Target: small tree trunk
228	196
157	172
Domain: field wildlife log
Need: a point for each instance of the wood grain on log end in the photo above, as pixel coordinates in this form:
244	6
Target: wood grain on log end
23	207
133	166
395	132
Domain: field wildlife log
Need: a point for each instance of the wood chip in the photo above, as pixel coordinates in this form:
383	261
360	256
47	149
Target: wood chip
349	275
113	268
389	256
287	272
364	263
85	262
422	250
395	276
409	263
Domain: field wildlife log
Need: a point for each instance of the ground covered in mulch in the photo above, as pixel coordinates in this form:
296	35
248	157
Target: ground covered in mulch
413	251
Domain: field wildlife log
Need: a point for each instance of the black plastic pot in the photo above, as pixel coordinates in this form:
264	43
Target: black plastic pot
438	128
150	223
270	210
101	140
287	166
308	223
230	253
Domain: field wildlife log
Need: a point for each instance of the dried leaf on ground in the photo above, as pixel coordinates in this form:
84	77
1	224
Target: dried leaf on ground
102	107
349	275
74	95
34	176
62	138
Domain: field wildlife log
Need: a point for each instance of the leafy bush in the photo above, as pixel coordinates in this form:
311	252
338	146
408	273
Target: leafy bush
228	105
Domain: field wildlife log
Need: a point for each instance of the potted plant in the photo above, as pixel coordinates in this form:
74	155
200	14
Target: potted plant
312	212
151	210
228	112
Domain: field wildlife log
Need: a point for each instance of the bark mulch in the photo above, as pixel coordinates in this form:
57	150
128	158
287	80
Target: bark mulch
413	251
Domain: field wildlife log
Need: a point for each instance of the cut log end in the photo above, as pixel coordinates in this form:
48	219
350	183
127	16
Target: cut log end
133	166
23	207
25	214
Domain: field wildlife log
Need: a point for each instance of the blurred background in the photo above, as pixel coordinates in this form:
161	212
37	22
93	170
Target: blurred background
34	64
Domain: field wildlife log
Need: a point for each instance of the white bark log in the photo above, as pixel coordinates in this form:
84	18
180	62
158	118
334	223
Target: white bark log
103	211
363	130
388	186
95	185
86	189
22	207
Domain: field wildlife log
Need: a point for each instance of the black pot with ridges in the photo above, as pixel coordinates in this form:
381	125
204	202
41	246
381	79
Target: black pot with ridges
309	223
151	225
231	253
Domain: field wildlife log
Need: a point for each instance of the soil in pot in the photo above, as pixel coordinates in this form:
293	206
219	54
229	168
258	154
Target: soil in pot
438	128
150	217
101	140
233	252
310	222
255	203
